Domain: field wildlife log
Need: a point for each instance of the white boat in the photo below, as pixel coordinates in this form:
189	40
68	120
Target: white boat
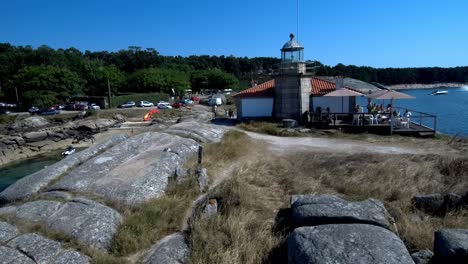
439	92
69	151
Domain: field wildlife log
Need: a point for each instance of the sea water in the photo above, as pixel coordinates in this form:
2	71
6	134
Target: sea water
17	170
451	109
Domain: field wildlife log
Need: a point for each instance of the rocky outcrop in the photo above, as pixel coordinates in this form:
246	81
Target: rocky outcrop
33	248
451	245
198	131
332	230
26	140
31	184
87	221
437	204
422	256
172	249
133	171
311	210
346	243
28	124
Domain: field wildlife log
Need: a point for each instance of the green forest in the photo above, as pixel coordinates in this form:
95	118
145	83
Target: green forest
47	75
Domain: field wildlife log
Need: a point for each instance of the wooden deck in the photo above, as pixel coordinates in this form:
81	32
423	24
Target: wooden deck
418	125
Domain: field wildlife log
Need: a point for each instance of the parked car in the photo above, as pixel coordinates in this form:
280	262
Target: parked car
128	104
4	111
33	110
164	105
215	101
145	104
50	111
94	107
187	101
177	105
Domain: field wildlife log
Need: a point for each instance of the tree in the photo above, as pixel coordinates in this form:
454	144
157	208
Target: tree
39	84
158	80
213	79
97	76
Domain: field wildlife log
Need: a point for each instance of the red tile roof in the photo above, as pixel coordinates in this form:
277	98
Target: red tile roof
321	86
266	89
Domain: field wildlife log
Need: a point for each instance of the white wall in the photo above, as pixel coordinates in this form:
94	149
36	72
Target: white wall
257	107
333	102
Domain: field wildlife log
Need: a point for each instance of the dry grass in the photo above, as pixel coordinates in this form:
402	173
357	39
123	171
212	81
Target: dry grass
251	226
271	128
149	222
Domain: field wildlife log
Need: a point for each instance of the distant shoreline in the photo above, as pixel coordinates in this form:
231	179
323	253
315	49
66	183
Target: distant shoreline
424	86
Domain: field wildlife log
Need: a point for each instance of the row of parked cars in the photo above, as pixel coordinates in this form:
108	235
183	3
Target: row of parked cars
160	104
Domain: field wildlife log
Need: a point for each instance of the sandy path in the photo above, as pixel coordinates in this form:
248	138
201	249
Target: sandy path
311	144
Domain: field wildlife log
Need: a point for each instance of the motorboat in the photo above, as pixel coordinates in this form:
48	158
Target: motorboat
439	92
70	150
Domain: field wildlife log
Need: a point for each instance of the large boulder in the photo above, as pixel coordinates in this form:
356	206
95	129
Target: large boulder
7	232
29	185
451	244
9	255
422	256
198	131
40	249
437	204
346	243
35	136
97	125
311	210
133	171
30	123
87	221
172	249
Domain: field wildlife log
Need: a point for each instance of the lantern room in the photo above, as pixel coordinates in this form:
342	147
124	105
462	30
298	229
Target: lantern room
292	51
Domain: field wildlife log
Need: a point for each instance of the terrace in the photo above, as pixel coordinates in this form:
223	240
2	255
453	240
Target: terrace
419	124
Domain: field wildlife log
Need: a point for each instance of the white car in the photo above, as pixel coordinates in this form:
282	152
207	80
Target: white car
145	104
164	105
94	107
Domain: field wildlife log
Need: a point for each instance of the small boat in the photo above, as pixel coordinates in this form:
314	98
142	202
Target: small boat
439	92
70	150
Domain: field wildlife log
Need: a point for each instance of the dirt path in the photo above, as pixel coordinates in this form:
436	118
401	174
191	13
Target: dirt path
282	145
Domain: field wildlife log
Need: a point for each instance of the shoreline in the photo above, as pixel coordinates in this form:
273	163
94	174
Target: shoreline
413	86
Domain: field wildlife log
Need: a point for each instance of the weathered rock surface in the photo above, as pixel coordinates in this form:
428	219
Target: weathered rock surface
31	184
203	179
33	122
346	243
311	210
7	232
40	249
87	221
451	243
197	131
97	125
437	204
133	171
422	256
56	195
9	255
33	248
172	249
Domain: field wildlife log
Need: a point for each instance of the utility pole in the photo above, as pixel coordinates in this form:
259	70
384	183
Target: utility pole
17	98
109	93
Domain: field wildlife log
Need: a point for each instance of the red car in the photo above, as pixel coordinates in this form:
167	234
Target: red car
178	105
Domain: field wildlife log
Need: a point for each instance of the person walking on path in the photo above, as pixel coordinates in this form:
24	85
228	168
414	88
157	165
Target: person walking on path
215	108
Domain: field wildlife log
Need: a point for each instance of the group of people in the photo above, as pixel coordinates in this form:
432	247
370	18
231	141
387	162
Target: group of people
228	113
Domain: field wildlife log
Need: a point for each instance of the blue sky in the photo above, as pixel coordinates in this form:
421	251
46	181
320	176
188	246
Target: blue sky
377	33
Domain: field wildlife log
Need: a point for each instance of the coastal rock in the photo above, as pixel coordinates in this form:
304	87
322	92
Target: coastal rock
40	249
35	136
33	122
428	203
311	210
29	185
119	117
346	243
451	244
203	179
7	232
71	257
87	221
172	249
197	131
133	171
96	126
422	256
10	255
56	195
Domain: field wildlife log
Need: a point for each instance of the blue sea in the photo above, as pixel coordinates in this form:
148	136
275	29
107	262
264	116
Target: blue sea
451	109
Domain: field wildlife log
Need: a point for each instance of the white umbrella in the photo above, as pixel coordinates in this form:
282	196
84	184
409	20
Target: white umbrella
343	92
391	94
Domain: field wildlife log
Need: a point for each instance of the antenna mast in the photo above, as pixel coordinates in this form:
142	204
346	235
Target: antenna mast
297	20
